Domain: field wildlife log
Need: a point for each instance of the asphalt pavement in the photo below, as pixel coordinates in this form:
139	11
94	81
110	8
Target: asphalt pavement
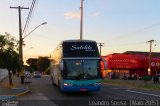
42	91
8	92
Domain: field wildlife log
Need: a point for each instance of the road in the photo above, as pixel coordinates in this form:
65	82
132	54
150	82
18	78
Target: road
44	94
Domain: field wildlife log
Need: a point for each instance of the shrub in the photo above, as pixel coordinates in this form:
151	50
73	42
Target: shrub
146	78
47	71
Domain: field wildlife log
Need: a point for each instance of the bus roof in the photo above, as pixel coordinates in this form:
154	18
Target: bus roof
77	40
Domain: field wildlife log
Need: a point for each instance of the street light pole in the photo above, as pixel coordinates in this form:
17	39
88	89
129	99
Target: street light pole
100	47
30	33
34	29
150	53
81	20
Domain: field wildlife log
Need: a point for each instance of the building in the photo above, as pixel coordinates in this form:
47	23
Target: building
154	54
132	64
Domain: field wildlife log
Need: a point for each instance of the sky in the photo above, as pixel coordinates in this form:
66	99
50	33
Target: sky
122	25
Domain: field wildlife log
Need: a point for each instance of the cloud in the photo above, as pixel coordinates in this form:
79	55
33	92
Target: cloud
95	14
76	15
72	15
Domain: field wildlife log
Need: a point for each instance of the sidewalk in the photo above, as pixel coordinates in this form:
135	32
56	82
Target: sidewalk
8	92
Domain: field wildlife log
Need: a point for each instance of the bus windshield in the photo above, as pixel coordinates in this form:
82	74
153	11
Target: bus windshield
82	69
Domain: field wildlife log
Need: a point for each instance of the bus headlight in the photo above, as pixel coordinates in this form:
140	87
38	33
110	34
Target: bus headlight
95	84
68	84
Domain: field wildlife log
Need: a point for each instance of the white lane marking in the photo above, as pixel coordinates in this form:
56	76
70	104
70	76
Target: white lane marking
115	88
143	93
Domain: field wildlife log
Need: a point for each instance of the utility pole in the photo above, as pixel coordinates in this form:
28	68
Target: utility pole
150	53
81	20
20	33
100	47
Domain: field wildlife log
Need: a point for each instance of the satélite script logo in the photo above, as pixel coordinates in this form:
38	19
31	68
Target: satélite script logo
81	47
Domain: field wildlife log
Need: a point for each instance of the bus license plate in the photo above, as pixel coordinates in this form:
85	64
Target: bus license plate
83	89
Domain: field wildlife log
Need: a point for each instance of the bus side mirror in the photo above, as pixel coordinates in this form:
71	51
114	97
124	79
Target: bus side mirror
62	65
105	65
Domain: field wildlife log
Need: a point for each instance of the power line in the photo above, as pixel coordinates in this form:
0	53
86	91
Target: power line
126	44
29	16
134	32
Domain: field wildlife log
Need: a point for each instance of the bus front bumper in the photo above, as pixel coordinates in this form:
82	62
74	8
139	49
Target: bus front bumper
81	88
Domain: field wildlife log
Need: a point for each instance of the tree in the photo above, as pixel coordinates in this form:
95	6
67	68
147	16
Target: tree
32	62
43	63
40	64
3	42
9	57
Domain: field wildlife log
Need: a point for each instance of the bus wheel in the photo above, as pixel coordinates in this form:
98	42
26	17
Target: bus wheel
59	86
53	83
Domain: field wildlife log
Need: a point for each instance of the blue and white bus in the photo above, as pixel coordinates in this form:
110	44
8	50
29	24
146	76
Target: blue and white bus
75	65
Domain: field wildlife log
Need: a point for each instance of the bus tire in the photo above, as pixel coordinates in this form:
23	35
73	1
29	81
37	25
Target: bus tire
59	86
53	83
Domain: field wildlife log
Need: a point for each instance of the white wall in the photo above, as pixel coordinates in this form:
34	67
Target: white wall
3	73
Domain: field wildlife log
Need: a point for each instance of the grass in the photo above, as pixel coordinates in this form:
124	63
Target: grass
6	84
149	85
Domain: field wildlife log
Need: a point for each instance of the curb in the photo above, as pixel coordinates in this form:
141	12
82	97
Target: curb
7	97
10	97
23	93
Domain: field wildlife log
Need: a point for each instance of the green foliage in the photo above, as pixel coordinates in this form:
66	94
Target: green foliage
32	62
9	57
40	64
7	42
43	63
28	68
47	71
146	78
